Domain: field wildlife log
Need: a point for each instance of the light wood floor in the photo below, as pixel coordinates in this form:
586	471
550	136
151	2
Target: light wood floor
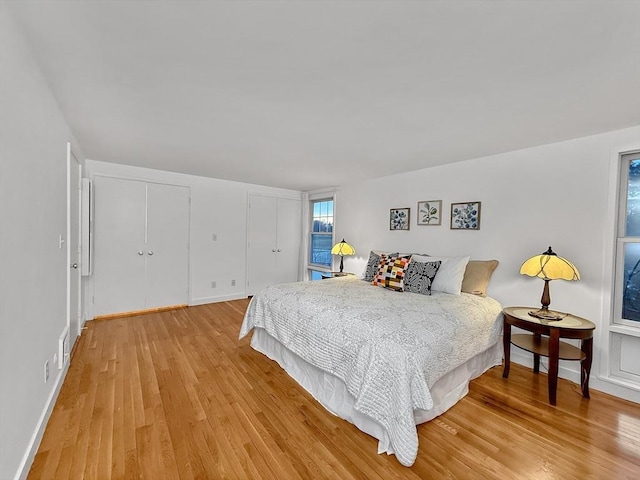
175	395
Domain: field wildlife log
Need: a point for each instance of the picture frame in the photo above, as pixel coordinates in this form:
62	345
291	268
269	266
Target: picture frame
430	212
399	218
465	216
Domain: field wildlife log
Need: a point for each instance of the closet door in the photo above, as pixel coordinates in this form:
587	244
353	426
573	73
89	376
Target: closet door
119	240
261	254
141	239
273	248
288	231
167	245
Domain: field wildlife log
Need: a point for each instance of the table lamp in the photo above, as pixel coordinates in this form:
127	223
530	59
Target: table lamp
342	248
549	266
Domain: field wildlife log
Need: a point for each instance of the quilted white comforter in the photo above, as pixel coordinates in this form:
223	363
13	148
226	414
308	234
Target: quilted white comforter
388	347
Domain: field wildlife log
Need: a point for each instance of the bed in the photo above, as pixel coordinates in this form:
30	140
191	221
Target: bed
383	360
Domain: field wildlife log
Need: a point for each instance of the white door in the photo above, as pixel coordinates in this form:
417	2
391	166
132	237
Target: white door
262	244
74	299
167	247
119	278
274	241
289	231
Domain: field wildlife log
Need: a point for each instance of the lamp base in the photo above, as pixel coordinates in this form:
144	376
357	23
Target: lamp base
543	312
546	314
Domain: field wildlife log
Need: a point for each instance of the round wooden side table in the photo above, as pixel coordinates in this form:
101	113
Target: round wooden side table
545	341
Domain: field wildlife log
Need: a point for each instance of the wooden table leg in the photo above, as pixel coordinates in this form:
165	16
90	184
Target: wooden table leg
554	352
506	344
585	370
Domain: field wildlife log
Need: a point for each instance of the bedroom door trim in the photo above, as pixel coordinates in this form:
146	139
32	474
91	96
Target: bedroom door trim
74	285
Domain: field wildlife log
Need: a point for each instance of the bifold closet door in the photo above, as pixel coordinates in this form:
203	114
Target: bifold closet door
167	256
273	249
141	238
262	245
119	239
289	231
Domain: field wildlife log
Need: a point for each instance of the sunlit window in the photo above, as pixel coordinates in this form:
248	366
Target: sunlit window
627	311
321	239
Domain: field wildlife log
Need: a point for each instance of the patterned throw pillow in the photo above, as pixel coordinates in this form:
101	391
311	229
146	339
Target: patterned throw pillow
373	264
391	272
419	277
450	273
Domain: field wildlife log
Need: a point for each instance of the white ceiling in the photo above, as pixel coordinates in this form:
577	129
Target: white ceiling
306	94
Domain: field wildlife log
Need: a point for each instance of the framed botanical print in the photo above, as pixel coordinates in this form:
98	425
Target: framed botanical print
399	218
430	212
465	216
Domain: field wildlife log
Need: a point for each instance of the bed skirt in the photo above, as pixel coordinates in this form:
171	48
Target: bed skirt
332	393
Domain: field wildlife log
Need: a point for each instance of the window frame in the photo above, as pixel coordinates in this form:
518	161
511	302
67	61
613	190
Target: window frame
622	240
311	267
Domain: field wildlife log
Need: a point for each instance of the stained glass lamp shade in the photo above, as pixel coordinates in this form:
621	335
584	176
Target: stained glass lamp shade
549	266
342	248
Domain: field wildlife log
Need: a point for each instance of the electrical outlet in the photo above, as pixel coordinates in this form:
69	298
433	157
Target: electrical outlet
46	371
213	284
233	283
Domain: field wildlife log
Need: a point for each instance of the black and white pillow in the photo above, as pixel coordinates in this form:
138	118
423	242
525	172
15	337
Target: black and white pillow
373	264
419	276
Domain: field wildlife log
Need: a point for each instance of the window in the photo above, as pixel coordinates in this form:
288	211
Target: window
627	294
321	239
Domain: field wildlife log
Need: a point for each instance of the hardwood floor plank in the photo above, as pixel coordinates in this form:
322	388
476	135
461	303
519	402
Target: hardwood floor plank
118	446
175	395
87	389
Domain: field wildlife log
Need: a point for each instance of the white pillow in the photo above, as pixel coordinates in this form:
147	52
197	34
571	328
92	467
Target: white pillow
450	274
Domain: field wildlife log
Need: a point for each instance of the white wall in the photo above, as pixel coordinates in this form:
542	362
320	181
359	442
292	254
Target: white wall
558	195
217	207
33	176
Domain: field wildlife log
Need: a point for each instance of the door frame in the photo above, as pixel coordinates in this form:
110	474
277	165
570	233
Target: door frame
74	187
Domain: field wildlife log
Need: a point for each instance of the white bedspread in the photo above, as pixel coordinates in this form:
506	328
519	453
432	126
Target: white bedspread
388	347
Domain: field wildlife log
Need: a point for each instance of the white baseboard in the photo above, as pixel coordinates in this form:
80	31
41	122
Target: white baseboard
36	438
200	301
615	387
220	298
